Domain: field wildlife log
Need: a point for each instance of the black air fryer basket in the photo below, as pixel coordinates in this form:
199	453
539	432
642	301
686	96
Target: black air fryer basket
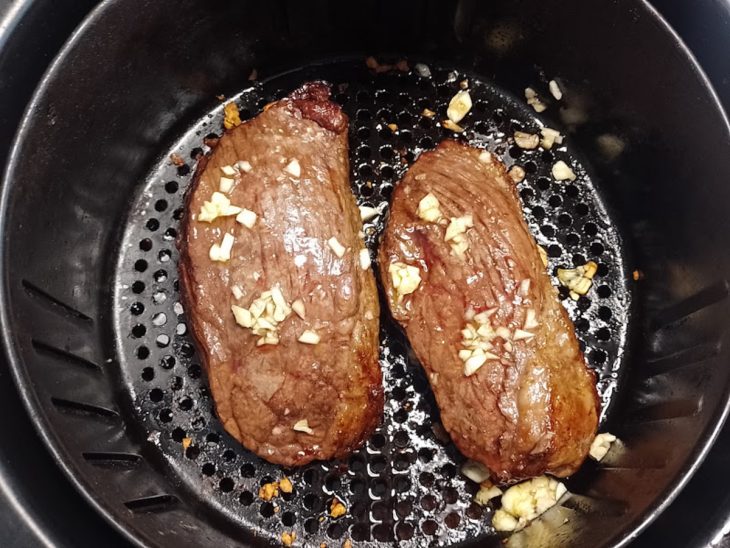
91	203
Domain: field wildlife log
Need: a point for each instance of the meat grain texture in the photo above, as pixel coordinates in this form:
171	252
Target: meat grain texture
261	392
533	409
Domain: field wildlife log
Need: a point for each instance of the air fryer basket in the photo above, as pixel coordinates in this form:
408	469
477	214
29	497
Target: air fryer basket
91	205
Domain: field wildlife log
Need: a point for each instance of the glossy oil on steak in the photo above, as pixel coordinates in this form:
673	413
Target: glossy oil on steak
531	406
290	402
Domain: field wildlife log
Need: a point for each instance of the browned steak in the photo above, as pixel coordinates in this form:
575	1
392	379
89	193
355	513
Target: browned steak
530	406
290	402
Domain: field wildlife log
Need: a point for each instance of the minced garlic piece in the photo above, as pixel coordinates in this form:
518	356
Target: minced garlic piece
579	279
549	138
475	471
525	501
367	213
533	100
453	126
543	255
293	168
285	485
336	247
309	337
428	113
555	90
428	208
459	106
226	185
517	174
243	317
406	278
218	206
231	116
230	171
269	490
364	259
222	252
456	234
562	172
287	538
303	426
244	166
247	218
530	320
600	446
337	509
485	494
485	157
298	308
526	140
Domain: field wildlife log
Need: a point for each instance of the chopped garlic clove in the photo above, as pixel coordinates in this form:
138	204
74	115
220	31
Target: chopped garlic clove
243	317
600	446
298	308
543	255
364	259
222	252
459	106
526	140
218	206
247	218
237	293
309	337
228	170
428	113
428	208
555	90
244	166
367	213
303	426
293	168
504	333
336	247
578	280
475	471
562	172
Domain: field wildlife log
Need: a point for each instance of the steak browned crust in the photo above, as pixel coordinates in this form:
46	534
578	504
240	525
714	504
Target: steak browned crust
532	407
261	392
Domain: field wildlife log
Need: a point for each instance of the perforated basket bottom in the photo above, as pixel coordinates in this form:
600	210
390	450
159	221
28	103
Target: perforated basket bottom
404	485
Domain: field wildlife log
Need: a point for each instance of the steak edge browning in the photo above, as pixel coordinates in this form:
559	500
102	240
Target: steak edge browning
261	392
532	407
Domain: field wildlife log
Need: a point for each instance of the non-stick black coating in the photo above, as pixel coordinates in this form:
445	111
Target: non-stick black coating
143	71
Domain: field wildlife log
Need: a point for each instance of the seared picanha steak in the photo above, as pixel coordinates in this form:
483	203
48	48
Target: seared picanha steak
485	322
287	327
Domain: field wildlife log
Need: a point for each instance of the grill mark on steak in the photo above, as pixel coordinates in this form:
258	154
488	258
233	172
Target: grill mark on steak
260	392
533	410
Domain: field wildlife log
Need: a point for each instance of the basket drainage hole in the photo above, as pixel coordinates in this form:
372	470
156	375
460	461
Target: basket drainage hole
171	187
311	526
288	519
139	330
208	469
226	485
148	374
138	287
248	470
266	510
145	245
143	352
246	498
156	395
335	531
178	434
